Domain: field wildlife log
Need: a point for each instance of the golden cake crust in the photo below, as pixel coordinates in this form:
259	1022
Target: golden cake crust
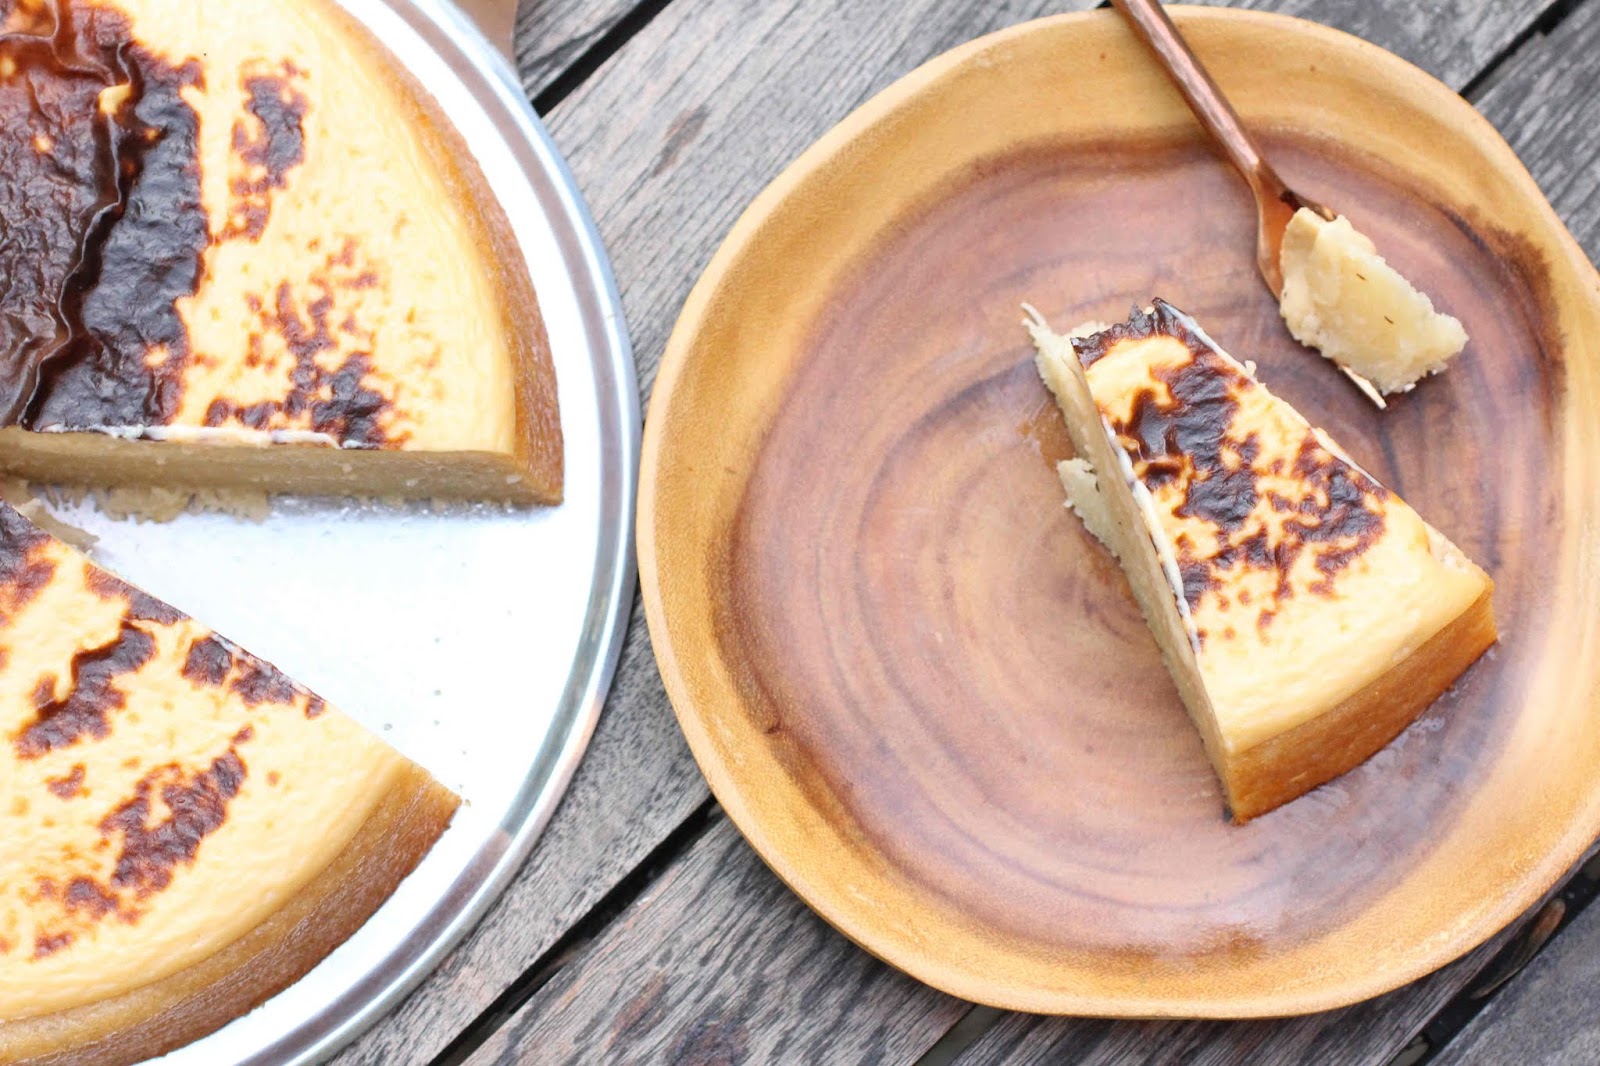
159	1017
1313	753
184	830
539	441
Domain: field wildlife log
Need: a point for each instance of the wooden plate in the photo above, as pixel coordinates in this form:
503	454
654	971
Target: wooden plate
921	690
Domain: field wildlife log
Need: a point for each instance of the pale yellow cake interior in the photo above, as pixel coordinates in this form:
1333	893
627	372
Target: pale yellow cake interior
1342	298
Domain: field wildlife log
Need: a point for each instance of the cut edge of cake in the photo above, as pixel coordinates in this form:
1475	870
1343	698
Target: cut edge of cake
1266	775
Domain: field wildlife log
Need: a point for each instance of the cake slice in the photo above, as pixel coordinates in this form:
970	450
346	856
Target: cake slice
184	831
251	252
1342	298
1306	613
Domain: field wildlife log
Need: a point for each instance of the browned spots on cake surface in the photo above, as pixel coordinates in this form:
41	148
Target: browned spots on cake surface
92	690
1349	519
70	786
25	565
215	662
85	896
142	607
153	847
45	944
1160	320
209	661
258	682
1185	442
160	828
92	695
330	387
269	145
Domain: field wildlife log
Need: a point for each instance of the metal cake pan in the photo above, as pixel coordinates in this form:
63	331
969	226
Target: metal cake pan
479	641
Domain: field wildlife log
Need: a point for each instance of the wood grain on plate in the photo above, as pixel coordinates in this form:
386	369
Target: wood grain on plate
919	688
669	140
1543	100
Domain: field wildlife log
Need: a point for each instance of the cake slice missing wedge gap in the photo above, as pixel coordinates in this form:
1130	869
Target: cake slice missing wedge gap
1305	612
184	831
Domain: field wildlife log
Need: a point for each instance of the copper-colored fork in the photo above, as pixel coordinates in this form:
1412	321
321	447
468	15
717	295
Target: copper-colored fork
1276	203
497	19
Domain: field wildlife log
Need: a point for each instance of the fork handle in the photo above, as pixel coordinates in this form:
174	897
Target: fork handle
1154	27
497	19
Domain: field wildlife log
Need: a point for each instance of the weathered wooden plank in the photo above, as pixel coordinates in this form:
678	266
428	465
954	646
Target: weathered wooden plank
719	962
1544	102
1452	39
670	139
552	34
1546	1013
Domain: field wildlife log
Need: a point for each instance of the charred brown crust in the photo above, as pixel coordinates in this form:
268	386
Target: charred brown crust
1161	320
1182	435
109	234
149	1021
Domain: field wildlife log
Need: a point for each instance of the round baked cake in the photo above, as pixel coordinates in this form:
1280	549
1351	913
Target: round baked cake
239	248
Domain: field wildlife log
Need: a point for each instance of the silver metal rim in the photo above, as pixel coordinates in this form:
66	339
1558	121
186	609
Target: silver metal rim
494	85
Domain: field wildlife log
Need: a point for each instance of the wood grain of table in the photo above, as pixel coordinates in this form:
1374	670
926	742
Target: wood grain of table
643	928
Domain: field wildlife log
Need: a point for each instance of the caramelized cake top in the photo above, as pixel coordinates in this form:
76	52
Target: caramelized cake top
1299	577
161	790
219	225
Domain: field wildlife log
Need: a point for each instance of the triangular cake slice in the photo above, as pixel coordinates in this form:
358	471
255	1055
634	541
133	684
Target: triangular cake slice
184	831
1307	614
248	252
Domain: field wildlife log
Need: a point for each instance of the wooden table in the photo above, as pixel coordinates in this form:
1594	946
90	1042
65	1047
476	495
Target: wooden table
643	928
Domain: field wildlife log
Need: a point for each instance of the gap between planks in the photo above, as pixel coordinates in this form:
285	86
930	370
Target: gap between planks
571	944
582	67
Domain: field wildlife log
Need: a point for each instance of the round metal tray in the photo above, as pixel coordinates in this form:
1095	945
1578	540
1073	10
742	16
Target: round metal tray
479	641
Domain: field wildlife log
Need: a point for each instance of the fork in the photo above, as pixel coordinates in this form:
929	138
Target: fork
1276	203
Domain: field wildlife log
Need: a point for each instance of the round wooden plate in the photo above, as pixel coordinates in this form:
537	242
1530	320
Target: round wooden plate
925	694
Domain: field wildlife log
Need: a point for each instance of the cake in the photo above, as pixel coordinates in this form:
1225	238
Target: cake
184	830
1305	612
243	250
1342	298
239	249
